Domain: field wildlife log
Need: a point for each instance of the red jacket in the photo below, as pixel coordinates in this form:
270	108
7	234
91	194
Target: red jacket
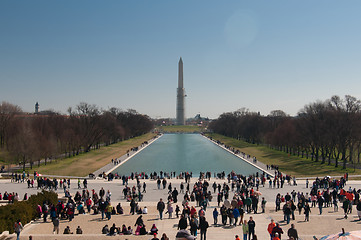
270	227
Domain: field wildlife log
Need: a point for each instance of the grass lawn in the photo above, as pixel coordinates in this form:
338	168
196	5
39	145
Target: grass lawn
292	165
86	163
184	129
5	158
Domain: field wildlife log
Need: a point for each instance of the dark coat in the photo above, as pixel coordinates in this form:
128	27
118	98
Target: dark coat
182	224
160	206
203	225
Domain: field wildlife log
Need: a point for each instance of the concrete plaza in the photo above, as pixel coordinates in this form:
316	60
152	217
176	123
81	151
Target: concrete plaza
319	225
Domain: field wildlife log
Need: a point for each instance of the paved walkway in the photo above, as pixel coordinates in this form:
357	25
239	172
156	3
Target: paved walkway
319	225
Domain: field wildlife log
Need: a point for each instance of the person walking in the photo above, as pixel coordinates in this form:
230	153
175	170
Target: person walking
277	230
182	223
56	225
102	206
203	225
248	202
263	205
144	187
335	204
215	216
45	210
132	206
292	232
224	215
287	212
170	209
158	183
194	227
109	210
345	206
175	195
278	202
139	221
18	227
307	212
251	227
235	215
320	202
177	210
245	229
160	208
270	227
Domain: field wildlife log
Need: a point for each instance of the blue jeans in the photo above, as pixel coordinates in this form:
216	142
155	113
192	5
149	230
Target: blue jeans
245	236
203	234
288	219
161	214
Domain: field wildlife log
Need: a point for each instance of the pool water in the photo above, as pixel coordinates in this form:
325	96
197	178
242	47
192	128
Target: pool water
185	153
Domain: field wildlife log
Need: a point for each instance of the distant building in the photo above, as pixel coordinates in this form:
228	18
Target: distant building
198	120
163	122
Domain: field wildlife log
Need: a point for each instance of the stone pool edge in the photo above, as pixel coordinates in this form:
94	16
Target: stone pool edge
243	159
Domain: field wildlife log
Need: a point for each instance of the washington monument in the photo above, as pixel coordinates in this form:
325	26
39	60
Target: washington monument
180	95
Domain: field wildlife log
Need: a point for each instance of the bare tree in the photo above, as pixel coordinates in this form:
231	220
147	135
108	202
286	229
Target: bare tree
7	114
22	145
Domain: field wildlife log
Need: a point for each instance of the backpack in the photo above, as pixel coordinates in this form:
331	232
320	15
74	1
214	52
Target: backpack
18	227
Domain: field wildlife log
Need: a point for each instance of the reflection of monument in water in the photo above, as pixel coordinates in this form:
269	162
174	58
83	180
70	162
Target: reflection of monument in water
180	96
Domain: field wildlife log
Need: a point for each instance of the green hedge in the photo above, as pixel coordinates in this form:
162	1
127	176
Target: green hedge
24	210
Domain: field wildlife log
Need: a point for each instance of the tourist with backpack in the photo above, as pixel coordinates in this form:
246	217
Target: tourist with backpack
18	227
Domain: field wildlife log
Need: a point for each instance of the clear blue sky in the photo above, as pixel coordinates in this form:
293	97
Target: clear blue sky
262	55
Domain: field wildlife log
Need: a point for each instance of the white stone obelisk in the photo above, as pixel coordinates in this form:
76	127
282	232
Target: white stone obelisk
180	95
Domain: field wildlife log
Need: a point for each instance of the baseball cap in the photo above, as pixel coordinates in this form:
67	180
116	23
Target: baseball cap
184	234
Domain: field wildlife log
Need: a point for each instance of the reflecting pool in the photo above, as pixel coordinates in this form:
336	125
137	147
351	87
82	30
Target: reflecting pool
185	152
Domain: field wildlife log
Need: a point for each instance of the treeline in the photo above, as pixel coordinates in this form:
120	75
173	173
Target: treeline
326	131
32	137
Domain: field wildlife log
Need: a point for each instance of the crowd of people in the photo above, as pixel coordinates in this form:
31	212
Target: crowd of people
11	197
324	193
235	198
140	229
244	200
275	231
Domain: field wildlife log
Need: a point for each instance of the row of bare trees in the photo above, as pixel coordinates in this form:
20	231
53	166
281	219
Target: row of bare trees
327	131
29	138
